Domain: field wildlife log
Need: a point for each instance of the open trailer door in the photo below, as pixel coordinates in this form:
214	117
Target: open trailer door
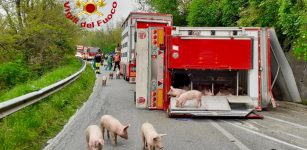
150	68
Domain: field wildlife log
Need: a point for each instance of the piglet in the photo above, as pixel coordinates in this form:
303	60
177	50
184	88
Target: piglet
104	80
94	138
150	137
224	92
117	74
189	95
207	92
112	125
175	92
111	75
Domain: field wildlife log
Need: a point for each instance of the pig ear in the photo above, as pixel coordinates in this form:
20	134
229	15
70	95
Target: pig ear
162	135
126	127
172	87
155	138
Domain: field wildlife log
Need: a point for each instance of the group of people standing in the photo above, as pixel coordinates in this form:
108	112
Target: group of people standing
111	58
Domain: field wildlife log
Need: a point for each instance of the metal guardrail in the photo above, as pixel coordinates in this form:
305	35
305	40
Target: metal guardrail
13	105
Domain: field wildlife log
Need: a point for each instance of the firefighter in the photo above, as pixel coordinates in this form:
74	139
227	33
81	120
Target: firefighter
110	60
116	61
97	60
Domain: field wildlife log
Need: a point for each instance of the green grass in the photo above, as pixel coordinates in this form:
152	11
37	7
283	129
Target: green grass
47	79
32	127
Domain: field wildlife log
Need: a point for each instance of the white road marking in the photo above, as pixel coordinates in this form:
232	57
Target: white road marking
266	136
284	121
229	136
258	124
289	134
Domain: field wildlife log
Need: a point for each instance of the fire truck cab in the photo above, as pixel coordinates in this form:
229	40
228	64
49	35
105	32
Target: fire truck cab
204	57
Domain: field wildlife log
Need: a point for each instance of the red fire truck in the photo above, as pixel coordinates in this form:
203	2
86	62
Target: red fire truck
91	52
196	57
137	20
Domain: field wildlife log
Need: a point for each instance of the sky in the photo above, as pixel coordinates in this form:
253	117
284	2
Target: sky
125	7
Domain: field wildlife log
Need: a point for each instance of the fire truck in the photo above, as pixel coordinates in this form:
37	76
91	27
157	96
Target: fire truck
91	52
137	20
197	57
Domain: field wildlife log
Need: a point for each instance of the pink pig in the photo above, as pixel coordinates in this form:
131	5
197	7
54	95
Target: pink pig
189	95
94	138
224	92
175	92
207	92
104	80
112	125
150	137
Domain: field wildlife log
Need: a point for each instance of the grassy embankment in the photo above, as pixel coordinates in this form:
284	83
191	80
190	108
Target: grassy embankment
49	78
31	127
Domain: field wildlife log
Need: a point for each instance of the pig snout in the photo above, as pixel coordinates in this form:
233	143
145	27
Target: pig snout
160	146
125	136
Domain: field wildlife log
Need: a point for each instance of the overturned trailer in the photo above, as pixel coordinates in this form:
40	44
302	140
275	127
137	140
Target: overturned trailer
198	58
137	20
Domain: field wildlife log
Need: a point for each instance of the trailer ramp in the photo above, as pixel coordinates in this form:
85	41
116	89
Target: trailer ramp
214	106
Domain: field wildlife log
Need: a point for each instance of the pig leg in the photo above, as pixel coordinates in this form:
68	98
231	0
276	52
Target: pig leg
182	103
113	138
102	132
198	103
108	134
143	141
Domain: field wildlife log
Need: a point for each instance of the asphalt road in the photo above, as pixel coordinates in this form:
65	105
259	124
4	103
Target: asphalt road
284	128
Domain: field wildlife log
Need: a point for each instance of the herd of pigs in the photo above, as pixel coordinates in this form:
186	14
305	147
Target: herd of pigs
150	138
95	134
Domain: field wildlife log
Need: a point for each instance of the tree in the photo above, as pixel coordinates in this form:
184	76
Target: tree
178	8
205	13
230	11
35	36
106	40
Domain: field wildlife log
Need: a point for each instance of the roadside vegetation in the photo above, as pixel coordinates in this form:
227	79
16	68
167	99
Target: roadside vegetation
35	38
107	39
32	127
288	17
72	66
